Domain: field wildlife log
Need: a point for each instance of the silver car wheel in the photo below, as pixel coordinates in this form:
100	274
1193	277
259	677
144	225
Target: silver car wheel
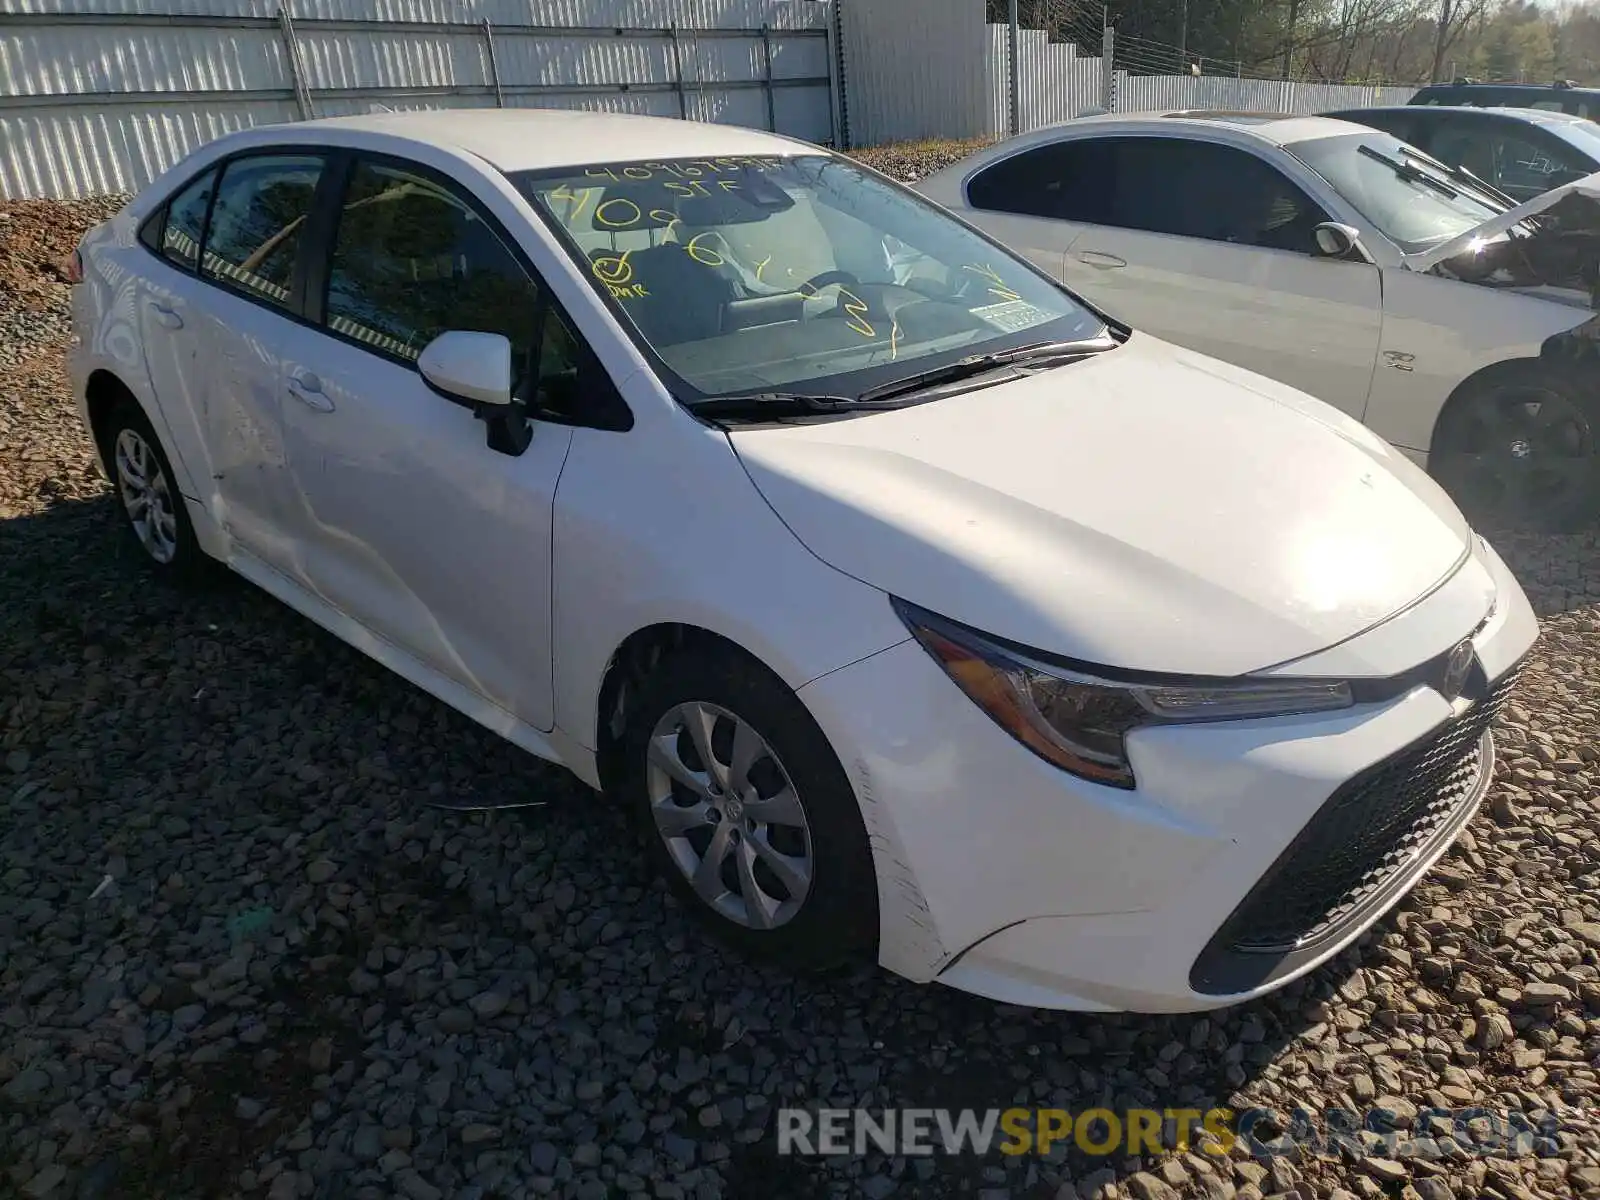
146	496
731	819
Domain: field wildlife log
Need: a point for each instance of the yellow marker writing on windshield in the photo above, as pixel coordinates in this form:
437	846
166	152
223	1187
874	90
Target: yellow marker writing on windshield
577	203
704	255
997	284
616	272
855	312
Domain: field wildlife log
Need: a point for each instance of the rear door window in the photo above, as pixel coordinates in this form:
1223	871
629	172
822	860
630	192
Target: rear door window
257	220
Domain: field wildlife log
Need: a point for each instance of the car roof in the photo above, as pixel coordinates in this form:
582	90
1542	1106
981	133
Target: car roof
524	139
1533	116
1278	128
1489	86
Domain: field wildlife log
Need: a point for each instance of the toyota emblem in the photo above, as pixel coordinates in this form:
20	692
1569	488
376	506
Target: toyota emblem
1456	667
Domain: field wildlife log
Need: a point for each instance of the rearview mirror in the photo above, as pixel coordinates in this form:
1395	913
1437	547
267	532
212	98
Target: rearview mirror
474	370
1335	240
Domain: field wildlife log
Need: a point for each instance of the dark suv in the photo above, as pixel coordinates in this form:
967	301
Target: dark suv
1560	96
1517	150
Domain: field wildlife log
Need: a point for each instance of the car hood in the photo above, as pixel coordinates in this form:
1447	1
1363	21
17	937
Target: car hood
1561	255
1147	508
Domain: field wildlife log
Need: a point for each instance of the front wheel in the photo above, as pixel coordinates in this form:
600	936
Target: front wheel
1520	447
747	812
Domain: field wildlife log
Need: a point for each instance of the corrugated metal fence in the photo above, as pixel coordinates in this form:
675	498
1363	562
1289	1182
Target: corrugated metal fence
1057	81
933	68
102	95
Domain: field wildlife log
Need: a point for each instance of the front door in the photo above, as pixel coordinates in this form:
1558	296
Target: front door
410	524
1210	247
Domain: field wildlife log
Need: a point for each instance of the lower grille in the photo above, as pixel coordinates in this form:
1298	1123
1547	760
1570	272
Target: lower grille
1370	829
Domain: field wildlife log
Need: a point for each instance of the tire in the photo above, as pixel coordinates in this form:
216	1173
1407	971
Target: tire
803	846
150	507
1519	447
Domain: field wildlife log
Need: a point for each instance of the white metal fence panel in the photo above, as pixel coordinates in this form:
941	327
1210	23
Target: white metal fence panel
916	69
1139	93
99	95
1056	80
707	14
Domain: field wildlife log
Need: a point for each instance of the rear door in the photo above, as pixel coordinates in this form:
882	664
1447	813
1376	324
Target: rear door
213	318
1212	247
168	317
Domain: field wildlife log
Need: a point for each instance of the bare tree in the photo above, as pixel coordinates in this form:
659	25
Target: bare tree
1454	18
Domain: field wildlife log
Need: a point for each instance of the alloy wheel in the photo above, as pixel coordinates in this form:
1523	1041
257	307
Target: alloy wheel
729	816
146	496
1521	450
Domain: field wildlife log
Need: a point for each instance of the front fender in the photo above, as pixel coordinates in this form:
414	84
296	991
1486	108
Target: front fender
667	528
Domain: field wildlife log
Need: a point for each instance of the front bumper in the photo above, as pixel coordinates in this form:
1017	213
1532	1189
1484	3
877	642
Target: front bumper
1000	875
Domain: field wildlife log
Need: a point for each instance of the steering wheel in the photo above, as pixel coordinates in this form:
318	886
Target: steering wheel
827	279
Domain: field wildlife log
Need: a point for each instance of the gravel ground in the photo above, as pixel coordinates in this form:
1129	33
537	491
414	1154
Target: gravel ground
239	955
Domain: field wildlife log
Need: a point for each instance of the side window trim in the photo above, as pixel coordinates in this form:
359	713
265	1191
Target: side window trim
609	410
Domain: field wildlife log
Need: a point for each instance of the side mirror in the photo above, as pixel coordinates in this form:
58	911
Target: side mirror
1335	240
474	370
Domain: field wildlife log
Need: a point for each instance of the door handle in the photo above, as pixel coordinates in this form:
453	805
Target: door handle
307	388
167	316
1100	260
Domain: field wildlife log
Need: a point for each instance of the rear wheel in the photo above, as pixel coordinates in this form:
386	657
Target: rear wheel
746	811
153	511
1521	447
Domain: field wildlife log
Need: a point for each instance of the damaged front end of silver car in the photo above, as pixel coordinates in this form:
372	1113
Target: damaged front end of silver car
1548	247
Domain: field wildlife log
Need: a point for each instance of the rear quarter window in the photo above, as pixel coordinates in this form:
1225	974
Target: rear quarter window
176	229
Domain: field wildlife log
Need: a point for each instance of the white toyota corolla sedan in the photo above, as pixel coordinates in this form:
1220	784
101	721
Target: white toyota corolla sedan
910	605
1337	259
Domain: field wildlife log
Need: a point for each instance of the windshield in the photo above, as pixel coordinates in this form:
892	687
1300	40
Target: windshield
806	273
1415	206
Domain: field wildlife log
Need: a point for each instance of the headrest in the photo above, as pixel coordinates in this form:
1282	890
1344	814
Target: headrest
421	227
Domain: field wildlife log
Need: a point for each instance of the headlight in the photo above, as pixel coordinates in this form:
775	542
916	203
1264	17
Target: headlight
1079	721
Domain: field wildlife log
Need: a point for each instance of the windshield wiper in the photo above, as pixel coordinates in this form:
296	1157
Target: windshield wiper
1463	174
771	404
1408	172
1034	354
